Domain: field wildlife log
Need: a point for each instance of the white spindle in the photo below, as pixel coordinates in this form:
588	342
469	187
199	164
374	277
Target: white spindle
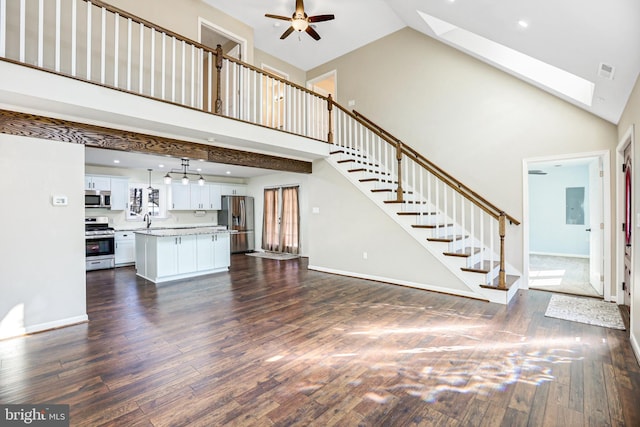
141	61
234	88
153	62
193	76
173	69
256	98
23	25
463	223
163	71
40	33
491	240
116	49
74	36
103	45
481	243
182	71
129	31
209	80
226	85
472	228
3	27
58	25
89	6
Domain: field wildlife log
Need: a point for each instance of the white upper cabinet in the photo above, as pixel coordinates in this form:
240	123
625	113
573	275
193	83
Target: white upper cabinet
119	194
215	197
180	197
96	182
234	190
200	196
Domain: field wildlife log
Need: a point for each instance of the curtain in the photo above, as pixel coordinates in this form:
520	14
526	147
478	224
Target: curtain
290	227
270	226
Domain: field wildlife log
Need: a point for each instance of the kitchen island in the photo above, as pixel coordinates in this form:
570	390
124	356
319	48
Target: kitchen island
171	254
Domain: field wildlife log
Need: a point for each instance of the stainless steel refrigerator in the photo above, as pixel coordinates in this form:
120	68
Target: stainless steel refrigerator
237	214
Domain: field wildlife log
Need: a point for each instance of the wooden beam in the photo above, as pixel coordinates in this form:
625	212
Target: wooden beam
23	124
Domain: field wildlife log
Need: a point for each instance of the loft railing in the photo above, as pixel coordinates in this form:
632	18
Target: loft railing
101	44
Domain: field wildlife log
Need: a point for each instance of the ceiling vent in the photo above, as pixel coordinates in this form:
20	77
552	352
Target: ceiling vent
606	71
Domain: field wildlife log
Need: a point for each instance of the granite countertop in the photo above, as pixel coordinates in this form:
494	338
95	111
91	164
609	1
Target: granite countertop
174	232
142	227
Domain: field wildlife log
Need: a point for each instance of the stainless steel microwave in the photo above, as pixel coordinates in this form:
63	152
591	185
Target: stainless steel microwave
97	199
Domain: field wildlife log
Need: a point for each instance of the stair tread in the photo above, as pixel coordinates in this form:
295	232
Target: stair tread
464	253
446	239
417	213
431	226
408	202
483	267
510	281
389	190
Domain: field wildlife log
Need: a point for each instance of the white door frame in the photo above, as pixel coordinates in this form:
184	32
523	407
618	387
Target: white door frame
325	76
228	34
627	139
606	214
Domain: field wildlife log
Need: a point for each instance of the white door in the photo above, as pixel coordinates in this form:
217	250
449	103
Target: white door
596	227
628	224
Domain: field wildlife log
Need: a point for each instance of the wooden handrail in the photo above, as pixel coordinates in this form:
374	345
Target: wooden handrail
442	174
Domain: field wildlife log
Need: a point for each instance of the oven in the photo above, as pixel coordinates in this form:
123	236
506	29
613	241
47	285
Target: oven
99	243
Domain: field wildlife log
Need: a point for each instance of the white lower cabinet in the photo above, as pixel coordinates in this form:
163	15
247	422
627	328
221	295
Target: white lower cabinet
160	258
125	251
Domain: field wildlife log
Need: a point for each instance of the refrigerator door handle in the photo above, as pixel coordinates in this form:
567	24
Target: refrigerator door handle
243	218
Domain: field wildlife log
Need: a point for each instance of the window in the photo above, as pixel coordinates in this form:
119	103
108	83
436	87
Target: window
143	200
281	221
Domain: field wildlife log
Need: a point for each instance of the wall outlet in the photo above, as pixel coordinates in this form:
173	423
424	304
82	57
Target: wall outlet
365	255
351	103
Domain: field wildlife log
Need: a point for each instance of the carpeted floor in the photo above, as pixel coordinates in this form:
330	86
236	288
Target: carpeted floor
273	255
568	275
585	310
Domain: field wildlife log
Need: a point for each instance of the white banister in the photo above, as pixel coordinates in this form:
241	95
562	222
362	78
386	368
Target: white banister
40	32
129	31
23	29
141	61
89	7
103	45
153	63
74	36
57	47
173	69
182	73
3	28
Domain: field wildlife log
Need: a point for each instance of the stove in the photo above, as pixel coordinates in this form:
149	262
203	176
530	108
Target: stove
99	243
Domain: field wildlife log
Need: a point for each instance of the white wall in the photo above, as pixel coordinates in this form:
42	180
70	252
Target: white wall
256	188
549	232
42	251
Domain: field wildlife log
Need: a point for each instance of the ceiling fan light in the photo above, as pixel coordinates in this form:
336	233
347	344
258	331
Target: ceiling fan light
299	24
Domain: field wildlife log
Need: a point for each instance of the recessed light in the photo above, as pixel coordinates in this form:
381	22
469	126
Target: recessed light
199	169
523	23
116	161
211	139
228	172
277	25
160	166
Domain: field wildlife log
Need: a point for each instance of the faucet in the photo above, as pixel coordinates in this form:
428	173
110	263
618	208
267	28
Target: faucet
147	218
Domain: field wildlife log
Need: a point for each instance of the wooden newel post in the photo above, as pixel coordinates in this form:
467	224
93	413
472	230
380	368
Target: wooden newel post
502	227
400	192
330	108
218	79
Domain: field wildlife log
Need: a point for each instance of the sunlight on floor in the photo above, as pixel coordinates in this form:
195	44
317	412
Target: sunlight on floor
545	278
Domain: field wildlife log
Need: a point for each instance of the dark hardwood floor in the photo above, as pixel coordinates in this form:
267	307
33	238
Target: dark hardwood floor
271	343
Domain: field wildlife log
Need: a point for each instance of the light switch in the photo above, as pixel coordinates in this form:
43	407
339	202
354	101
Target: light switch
315	210
59	200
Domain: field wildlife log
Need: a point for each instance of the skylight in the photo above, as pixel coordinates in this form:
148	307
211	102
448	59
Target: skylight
529	68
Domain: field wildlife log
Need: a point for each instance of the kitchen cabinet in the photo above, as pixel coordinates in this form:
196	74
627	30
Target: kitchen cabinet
200	196
234	190
119	194
125	251
170	254
213	251
97	182
180	197
215	197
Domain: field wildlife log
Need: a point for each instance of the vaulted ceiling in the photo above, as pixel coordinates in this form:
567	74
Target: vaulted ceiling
590	44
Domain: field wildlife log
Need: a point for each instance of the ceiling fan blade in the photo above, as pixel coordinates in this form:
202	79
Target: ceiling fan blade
321	18
312	33
300	7
284	18
286	33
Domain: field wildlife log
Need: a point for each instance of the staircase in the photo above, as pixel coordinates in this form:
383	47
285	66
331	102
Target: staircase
455	225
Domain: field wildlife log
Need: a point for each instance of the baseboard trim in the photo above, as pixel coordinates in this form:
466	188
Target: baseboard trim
42	327
563	255
397	282
635	347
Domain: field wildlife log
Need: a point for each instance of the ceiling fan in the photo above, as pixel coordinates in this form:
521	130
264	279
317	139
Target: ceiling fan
300	21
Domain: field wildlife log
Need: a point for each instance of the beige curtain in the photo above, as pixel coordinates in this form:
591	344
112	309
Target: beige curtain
290	226
270	226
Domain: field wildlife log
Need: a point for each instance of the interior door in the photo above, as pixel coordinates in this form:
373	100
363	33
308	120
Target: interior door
628	224
596	227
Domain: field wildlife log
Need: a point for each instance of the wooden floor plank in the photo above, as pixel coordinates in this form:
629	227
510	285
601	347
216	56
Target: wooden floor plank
273	343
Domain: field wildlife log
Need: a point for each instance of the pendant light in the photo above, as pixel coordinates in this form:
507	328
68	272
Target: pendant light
185	174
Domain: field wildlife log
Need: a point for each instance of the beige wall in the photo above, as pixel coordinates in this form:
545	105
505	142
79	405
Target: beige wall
296	75
42	272
631	117
475	121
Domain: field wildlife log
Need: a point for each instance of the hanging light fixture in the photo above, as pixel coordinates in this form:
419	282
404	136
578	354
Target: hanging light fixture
185	174
150	188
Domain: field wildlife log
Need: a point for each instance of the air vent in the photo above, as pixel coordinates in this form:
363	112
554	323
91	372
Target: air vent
606	71
537	172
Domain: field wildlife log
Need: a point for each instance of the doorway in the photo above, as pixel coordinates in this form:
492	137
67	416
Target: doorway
274	99
566	224
625	170
281	220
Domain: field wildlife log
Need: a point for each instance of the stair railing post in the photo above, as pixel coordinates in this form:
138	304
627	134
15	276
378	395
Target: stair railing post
502	276
330	108
218	79
400	192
